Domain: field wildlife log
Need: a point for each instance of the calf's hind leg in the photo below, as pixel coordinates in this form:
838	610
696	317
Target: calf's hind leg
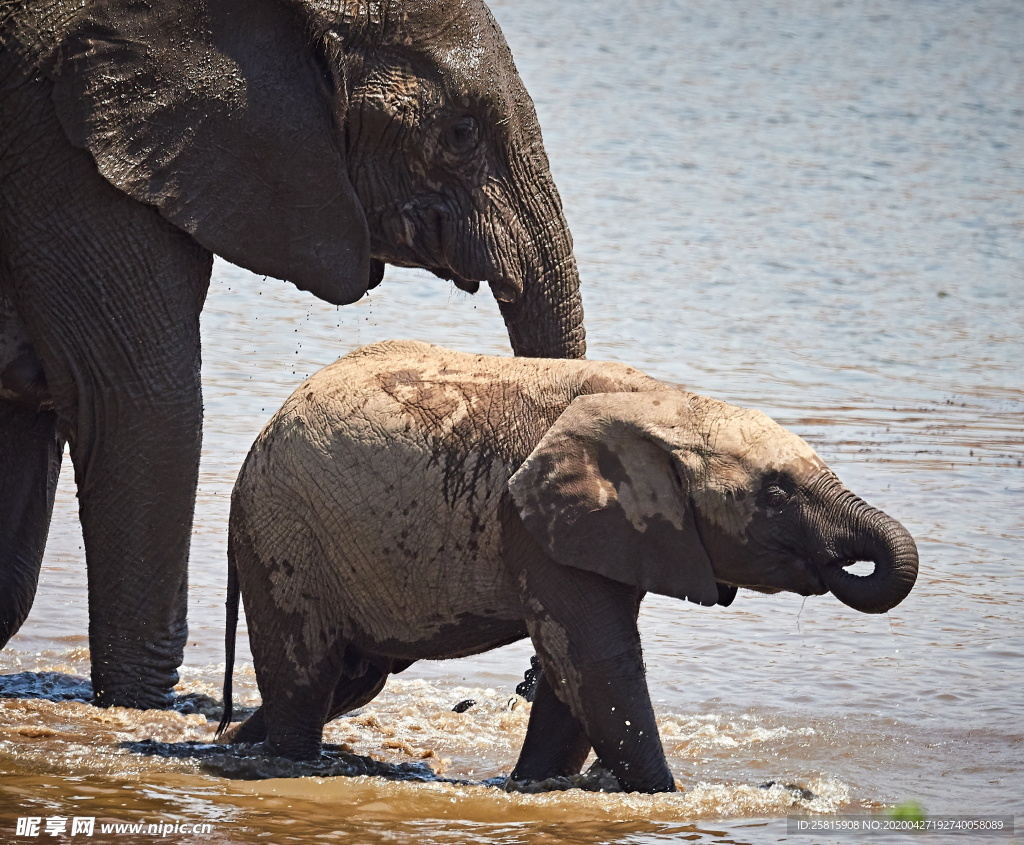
349	694
295	711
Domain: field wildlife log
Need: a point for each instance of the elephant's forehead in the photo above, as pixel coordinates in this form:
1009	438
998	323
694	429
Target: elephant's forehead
744	447
465	46
757	442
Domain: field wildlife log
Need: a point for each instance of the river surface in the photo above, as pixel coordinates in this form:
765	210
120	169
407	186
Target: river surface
813	208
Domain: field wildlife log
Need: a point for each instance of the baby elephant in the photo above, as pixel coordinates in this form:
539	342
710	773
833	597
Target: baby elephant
409	502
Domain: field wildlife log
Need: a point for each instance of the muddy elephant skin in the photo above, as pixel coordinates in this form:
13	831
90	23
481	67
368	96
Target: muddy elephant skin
409	502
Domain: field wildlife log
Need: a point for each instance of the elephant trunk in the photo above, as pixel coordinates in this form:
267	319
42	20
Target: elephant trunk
546	320
868	534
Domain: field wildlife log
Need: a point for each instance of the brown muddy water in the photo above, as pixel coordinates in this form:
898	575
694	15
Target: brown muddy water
814	208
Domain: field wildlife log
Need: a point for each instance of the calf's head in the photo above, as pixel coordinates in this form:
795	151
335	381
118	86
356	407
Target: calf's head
690	497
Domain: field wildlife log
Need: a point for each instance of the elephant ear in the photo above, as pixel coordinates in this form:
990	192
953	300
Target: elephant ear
603	491
221	118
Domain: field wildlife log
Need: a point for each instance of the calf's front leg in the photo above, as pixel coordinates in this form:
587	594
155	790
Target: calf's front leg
556	743
584	628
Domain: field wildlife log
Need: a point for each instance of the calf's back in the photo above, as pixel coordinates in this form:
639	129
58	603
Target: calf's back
374	499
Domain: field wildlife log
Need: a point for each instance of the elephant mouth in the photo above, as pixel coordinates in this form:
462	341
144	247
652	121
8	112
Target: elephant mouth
503	288
794	574
461	282
768	591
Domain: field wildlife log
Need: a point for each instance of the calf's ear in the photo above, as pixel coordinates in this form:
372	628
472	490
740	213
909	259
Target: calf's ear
604	491
222	117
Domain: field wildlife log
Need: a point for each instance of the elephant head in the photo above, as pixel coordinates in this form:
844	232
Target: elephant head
313	141
687	496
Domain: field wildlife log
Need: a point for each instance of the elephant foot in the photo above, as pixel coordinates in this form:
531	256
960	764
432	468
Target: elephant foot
149	688
296	750
595	779
136	699
264	749
155	692
252	730
141	670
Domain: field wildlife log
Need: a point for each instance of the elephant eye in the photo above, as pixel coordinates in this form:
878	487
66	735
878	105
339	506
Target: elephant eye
775	496
462	136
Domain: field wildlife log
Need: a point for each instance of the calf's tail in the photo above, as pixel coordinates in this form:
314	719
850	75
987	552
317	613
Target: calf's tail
231	604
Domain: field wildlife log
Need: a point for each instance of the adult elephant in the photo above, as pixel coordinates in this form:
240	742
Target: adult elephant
308	140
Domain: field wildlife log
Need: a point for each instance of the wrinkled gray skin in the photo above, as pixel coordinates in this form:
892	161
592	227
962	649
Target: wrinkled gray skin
409	502
307	140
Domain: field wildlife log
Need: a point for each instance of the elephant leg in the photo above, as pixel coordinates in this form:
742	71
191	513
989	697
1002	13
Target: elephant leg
349	693
584	628
253	729
30	457
298	687
109	294
136	449
352	693
297	712
556	744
